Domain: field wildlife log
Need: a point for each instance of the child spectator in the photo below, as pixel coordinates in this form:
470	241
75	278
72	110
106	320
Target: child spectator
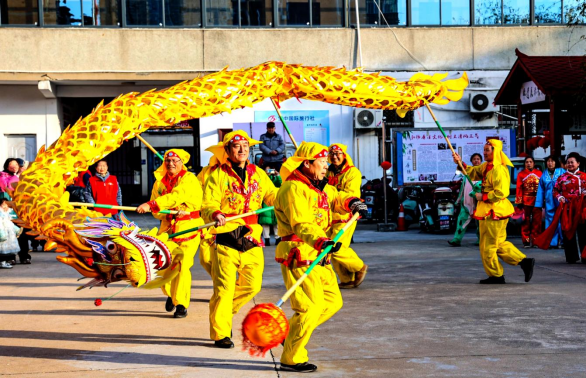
9	233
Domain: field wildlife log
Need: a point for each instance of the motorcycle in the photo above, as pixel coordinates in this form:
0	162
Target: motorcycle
372	192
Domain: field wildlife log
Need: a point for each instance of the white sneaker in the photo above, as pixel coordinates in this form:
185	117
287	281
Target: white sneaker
5	265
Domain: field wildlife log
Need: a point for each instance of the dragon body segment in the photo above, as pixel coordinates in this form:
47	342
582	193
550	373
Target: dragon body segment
43	204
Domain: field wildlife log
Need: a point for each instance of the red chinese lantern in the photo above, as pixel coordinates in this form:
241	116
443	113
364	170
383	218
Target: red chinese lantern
544	142
263	328
386	165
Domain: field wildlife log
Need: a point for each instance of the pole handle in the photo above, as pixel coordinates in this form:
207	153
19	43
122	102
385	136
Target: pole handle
114	207
284	124
460	165
316	261
150	147
227	220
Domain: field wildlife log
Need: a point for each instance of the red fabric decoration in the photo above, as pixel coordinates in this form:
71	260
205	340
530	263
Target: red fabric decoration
98	302
544	142
523	154
386	165
90	261
263	328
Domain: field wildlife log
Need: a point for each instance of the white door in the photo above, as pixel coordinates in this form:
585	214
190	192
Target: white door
22	146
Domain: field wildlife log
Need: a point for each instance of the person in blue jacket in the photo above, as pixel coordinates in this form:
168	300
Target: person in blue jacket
272	148
545	195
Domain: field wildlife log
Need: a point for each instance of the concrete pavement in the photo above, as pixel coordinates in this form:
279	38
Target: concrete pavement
420	313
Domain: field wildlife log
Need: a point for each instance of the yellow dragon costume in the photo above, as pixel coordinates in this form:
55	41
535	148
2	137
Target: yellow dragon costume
40	197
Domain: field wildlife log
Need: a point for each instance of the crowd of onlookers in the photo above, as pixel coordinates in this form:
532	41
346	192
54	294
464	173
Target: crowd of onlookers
540	193
100	188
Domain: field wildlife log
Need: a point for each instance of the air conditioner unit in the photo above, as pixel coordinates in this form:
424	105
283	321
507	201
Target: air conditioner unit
483	102
367	118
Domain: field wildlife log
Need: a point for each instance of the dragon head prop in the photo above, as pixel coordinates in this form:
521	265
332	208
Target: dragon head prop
111	250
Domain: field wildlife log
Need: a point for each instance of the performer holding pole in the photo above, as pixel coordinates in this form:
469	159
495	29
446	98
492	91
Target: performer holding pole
304	211
235	187
343	175
493	212
177	189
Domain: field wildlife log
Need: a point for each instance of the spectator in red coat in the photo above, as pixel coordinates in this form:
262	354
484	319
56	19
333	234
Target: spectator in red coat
103	188
527	185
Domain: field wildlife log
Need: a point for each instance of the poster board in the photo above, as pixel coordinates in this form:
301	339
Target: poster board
316	123
424	155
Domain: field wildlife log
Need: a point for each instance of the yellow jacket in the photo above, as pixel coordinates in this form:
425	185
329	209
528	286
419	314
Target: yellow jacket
496	184
186	195
306	212
225	193
349	181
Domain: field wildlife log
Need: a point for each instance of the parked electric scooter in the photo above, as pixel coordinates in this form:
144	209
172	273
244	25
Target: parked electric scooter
372	192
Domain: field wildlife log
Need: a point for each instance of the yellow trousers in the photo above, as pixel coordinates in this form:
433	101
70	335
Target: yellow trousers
494	244
314	302
205	254
180	288
237	278
346	262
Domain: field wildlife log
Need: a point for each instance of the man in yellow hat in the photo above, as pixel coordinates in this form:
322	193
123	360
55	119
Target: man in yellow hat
304	207
493	212
346	178
207	238
235	187
177	189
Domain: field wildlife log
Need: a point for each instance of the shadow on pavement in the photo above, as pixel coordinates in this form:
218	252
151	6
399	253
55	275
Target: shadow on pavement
160	299
105	338
134	358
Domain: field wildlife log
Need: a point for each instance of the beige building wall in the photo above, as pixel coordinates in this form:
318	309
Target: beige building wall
176	54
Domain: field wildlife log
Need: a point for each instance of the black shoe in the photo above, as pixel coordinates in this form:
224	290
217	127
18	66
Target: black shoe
299	368
169	306
180	312
454	244
493	280
267	242
277	241
527	266
225	343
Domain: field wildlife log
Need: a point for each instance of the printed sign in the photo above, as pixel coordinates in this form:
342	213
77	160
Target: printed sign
316	123
531	94
424	156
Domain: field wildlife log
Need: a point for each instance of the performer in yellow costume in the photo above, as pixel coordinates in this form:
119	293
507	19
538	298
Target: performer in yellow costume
235	187
346	178
177	189
493	212
207	238
304	207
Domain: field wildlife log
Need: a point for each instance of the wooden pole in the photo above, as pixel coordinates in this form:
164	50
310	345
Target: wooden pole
150	147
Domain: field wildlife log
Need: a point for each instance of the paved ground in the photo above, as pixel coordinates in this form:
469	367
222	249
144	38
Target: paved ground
420	313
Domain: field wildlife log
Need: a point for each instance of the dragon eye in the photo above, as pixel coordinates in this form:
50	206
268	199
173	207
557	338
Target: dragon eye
111	247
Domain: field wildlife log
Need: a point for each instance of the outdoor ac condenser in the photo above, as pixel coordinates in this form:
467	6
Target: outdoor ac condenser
367	118
482	102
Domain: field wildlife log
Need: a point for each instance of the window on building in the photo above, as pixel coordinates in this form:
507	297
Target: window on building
100	12
294	12
548	11
516	11
455	12
144	12
62	12
425	12
574	11
487	12
327	13
256	12
379	12
221	13
182	13
19	12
